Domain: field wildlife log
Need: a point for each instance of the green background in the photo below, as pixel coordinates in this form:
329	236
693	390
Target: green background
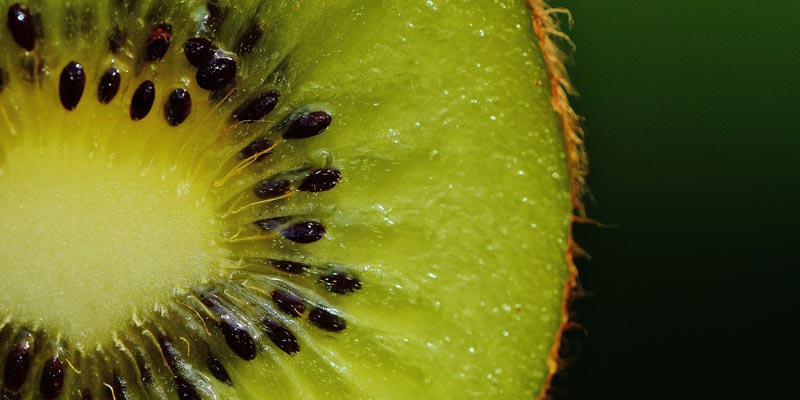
691	111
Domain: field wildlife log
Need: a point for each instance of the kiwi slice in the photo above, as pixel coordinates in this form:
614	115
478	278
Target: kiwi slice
304	199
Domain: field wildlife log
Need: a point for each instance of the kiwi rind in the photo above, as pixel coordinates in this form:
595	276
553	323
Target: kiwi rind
556	48
127	346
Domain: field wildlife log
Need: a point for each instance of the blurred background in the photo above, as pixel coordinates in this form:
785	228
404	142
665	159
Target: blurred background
693	124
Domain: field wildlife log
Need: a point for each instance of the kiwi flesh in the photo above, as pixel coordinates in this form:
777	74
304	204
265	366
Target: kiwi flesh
290	200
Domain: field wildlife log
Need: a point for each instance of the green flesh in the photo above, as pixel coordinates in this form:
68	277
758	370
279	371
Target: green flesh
453	208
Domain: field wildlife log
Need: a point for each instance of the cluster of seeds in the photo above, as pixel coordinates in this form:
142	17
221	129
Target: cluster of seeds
254	307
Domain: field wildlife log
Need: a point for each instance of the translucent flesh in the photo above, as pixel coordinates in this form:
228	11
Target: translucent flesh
78	229
453	208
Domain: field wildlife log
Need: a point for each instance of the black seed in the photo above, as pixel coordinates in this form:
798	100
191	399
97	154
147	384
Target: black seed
308	125
326	320
109	85
22	26
289	303
218	370
177	107
239	341
209	300
144	367
71	84
321	180
257	146
199	51
158	42
18	361
257	108
304	232
86	394
3	79
142	101
52	382
248	41
292	267
271	224
116	39
216	16
170	353
341	282
186	391
272	188
217	73
282	338
120	388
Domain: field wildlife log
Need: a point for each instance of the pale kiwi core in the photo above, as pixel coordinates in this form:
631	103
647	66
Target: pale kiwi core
89	242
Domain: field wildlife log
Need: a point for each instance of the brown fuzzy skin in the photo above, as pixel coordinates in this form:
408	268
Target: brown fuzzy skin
551	42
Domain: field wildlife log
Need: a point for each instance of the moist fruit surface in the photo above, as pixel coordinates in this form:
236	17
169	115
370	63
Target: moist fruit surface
278	199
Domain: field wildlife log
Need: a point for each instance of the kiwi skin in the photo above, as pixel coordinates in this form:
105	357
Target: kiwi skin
339	312
556	48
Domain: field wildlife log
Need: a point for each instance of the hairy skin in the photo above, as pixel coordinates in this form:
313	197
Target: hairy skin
552	40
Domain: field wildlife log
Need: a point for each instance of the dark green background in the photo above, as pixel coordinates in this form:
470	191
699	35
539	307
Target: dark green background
691	111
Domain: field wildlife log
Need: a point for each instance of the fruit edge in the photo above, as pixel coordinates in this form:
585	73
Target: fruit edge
552	40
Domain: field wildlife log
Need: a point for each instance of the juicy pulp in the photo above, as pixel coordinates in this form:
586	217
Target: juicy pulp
454	207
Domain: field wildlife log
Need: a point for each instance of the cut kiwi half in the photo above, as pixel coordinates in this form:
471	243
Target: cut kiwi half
326	199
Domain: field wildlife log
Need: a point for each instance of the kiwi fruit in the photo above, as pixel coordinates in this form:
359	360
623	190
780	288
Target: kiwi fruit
333	199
